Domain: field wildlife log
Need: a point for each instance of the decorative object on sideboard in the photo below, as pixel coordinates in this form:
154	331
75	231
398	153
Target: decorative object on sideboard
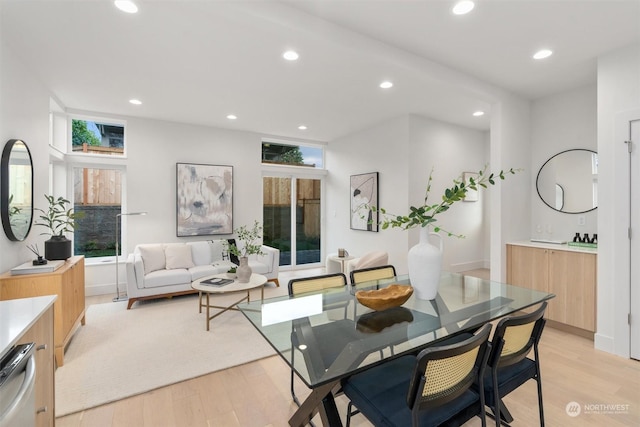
16	190
585	238
424	260
119	216
59	219
40	260
250	246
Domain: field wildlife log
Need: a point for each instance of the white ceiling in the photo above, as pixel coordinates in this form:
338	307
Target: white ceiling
197	61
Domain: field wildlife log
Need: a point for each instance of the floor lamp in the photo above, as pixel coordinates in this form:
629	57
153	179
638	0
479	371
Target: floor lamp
118	217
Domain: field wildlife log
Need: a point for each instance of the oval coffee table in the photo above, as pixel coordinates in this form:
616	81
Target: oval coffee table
256	281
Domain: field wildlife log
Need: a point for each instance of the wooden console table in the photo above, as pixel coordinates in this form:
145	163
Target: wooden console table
67	282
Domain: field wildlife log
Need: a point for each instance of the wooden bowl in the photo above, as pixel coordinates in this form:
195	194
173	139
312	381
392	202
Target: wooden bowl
381	299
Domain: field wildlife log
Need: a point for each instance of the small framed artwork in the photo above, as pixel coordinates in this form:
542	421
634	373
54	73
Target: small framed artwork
472	195
204	199
363	193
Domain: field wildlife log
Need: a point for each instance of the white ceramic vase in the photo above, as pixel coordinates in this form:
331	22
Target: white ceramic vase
425	265
243	270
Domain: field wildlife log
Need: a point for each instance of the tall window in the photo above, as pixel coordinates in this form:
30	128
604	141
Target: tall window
292	205
291	213
98	195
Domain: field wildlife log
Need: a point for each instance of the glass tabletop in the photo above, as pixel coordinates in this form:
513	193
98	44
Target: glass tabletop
335	336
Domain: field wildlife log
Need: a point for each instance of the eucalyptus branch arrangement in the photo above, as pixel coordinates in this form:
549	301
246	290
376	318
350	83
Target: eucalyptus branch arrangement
250	239
58	218
425	215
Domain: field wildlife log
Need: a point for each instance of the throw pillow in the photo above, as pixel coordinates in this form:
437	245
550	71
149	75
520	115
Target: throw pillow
178	256
152	257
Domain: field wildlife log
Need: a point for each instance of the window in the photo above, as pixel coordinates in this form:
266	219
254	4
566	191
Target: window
292	155
97	137
98	195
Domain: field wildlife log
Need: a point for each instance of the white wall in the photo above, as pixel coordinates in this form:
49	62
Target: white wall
383	149
154	148
449	150
618	92
404	151
24	112
561	122
510	201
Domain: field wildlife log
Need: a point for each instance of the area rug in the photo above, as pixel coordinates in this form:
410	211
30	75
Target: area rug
121	353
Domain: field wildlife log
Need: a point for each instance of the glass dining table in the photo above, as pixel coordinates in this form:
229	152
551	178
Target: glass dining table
327	336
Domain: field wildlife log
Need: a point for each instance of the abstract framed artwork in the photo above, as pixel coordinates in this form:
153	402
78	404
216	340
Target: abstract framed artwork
363	193
472	195
204	199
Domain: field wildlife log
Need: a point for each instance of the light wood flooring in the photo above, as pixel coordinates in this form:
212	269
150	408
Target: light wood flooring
257	394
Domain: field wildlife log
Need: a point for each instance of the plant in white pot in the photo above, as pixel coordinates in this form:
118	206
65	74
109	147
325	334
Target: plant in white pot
424	259
58	219
250	239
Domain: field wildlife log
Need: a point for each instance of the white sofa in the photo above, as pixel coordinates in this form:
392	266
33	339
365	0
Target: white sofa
166	269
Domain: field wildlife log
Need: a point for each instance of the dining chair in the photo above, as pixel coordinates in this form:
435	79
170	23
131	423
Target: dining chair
303	285
430	389
509	365
372	273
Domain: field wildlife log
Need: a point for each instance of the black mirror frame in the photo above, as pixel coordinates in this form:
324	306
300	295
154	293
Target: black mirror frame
538	177
4	190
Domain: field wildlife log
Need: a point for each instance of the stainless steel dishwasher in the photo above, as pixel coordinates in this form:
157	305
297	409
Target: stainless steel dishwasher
17	387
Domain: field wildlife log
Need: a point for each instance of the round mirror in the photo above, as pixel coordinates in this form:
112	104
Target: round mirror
16	190
568	181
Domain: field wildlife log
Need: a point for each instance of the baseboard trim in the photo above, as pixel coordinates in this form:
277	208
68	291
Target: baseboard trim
466	266
105	289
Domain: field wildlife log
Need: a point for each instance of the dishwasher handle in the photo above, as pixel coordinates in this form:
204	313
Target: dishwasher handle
26	390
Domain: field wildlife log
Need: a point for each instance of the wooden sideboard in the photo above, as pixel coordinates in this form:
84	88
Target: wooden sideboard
67	282
569	274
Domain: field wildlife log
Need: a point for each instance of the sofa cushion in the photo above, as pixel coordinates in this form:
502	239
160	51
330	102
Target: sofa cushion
200	253
178	256
161	278
153	257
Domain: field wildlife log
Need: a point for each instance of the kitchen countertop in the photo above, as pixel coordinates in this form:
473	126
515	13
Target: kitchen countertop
17	316
560	247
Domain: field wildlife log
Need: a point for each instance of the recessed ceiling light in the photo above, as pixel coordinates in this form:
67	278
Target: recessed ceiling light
302	127
232	117
126	6
135	101
290	55
478	113
386	85
463	7
543	53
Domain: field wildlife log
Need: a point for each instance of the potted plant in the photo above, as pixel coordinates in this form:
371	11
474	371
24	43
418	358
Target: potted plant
424	259
251	245
58	219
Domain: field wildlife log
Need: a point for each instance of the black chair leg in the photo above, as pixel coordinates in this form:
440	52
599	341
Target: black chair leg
539	381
